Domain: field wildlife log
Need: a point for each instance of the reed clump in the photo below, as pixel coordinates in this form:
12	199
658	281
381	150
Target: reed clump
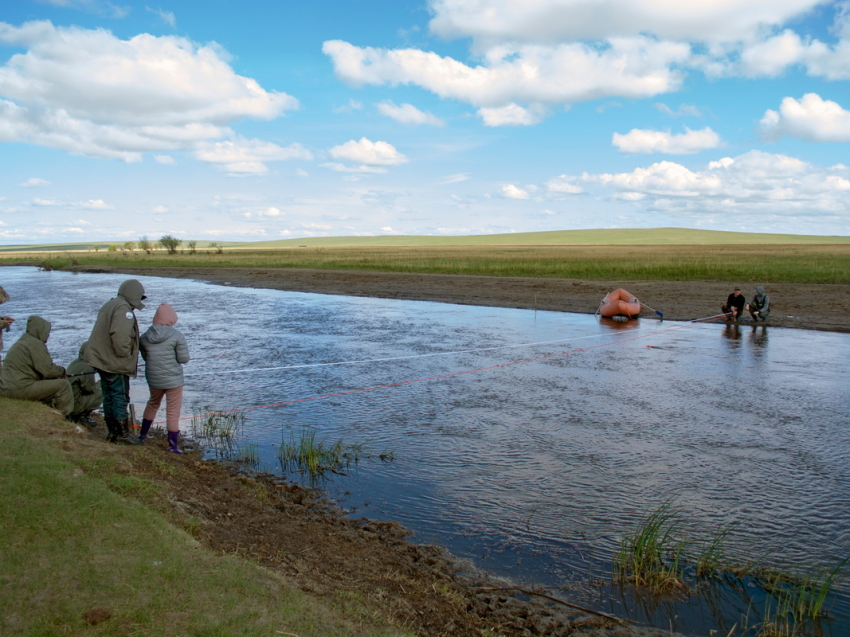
216	429
303	452
650	556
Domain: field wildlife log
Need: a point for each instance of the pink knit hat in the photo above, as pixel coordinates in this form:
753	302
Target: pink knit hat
165	315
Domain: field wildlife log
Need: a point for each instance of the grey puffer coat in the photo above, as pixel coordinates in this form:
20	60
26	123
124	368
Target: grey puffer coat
165	352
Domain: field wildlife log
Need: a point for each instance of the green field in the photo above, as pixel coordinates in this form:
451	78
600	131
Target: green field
80	532
624	236
628	255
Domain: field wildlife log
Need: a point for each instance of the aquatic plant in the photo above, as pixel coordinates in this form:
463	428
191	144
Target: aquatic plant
650	557
711	558
303	452
216	428
249	456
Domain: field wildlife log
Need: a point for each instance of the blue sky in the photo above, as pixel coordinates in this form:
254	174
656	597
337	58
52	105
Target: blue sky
252	120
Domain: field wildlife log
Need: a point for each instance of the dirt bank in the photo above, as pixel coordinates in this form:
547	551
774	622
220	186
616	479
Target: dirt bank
809	306
368	567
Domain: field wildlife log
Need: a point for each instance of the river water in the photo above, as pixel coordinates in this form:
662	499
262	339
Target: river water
565	431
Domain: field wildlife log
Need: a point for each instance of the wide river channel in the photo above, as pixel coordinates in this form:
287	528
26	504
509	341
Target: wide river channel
529	442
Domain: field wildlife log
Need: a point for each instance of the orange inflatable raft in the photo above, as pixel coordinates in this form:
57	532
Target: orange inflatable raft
620	303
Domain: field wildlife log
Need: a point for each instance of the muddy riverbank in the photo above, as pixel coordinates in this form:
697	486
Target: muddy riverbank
807	306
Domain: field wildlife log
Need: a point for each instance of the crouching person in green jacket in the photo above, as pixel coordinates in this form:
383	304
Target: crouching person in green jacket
87	393
113	350
30	373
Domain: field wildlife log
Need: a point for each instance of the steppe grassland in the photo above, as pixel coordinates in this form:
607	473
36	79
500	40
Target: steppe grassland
770	263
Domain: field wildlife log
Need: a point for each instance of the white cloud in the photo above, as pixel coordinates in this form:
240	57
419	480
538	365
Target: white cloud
454	179
96	7
773	56
564	185
685	110
345	168
513	192
492	21
160	209
93	204
653	141
38	201
366	155
755	183
90	93
166	16
630	67
240	156
408	114
353	105
268	212
811	118
34	182
511	115
164	159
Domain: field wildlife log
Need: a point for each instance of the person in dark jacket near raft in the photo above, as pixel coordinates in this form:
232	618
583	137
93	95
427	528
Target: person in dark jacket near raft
735	303
165	352
87	393
113	350
30	373
759	307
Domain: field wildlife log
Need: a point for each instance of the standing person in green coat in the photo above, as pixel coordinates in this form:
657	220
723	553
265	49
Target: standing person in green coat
87	393
30	373
113	350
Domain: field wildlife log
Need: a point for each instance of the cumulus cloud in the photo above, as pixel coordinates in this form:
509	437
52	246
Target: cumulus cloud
654	141
564	185
34	182
773	55
753	183
364	156
493	21
240	156
160	209
168	160
408	114
90	93
94	204
628	67
811	118
513	192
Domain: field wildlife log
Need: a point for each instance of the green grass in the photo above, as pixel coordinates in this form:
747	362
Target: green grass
650	556
619	236
768	263
304	453
75	539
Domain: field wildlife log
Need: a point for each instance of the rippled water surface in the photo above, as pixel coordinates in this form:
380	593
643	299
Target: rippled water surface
536	462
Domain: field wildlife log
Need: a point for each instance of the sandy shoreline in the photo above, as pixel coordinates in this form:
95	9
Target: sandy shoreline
797	305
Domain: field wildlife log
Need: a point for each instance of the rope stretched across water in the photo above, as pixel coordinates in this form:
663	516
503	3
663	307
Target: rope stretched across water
453	374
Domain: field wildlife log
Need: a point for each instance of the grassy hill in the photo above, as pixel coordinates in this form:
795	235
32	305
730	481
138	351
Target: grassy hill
623	236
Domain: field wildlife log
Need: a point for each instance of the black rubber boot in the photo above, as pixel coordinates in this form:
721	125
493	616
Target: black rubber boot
124	435
113	428
146	427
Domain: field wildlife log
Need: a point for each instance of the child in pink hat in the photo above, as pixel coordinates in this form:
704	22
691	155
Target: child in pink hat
165	352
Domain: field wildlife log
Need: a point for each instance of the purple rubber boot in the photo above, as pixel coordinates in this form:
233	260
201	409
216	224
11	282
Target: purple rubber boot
146	427
172	441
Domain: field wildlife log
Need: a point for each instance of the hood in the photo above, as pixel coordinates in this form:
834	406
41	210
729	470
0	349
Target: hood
759	289
158	333
133	292
38	328
165	315
3	296
83	349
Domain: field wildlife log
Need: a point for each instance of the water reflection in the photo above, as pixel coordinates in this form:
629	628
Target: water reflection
536	464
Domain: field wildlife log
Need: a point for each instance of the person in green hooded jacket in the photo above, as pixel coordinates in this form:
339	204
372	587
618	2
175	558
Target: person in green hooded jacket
87	393
30	373
113	350
5	321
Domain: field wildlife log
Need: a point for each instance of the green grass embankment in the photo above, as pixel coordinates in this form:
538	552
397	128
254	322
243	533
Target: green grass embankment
768	263
76	540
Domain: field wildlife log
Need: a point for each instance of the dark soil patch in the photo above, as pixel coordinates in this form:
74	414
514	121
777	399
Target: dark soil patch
368	567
